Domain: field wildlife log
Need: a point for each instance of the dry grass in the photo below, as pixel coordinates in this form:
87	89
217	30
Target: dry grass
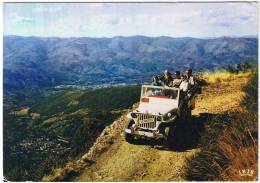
229	148
222	76
239	148
62	174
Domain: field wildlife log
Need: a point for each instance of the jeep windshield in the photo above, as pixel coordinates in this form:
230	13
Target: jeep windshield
159	92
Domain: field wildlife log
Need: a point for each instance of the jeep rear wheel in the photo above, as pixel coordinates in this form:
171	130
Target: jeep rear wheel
129	137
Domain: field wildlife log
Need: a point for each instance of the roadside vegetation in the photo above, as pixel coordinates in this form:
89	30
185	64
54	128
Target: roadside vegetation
228	73
229	144
222	76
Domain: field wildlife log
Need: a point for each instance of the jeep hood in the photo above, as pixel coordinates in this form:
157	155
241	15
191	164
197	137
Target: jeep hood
157	106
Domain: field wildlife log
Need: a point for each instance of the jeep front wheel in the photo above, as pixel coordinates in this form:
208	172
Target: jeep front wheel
129	137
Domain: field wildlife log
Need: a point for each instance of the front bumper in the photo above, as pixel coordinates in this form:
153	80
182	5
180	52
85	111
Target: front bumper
144	133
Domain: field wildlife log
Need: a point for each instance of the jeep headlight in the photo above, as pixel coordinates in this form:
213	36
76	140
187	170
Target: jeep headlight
133	115
169	114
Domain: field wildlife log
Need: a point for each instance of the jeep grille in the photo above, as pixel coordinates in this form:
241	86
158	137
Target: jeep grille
146	121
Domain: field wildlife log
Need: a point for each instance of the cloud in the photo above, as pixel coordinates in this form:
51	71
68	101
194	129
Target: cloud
21	19
151	19
46	9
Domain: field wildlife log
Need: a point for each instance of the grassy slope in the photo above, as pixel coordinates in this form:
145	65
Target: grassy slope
229	144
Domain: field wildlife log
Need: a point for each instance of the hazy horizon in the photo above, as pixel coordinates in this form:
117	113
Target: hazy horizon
242	36
198	20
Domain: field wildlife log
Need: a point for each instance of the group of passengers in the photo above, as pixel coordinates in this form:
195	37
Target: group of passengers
183	81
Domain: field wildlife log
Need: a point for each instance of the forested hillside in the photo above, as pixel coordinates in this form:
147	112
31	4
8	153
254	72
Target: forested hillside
42	132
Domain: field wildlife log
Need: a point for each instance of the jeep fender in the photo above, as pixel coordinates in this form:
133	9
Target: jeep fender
129	116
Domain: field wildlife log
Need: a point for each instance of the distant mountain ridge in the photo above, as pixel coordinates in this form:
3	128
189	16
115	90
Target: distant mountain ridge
32	62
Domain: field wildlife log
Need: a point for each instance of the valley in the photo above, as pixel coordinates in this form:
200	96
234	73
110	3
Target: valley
43	130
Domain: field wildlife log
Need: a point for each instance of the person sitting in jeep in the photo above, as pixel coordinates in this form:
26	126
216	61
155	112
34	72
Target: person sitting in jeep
166	78
190	77
177	79
189	84
185	85
156	81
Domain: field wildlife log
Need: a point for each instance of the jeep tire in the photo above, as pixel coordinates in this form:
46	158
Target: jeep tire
129	137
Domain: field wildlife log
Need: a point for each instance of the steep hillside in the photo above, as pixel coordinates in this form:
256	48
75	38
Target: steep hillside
111	158
31	62
44	131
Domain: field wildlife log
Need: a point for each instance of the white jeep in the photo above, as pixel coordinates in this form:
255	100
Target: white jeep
158	112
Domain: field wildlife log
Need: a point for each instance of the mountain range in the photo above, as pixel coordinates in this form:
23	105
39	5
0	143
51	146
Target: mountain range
33	62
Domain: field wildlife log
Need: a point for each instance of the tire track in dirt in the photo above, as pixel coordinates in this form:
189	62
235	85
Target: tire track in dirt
128	162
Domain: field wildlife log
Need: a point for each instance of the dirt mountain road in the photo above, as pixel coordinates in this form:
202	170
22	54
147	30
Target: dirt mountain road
149	161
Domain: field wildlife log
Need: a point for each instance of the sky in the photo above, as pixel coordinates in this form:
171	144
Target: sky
128	19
